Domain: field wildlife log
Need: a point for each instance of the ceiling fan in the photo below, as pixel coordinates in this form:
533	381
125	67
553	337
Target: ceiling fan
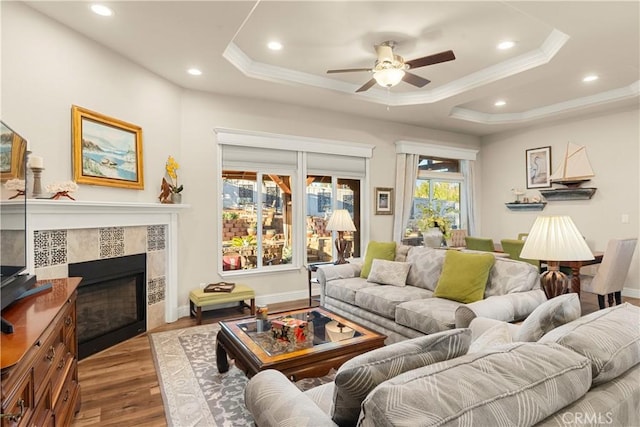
390	68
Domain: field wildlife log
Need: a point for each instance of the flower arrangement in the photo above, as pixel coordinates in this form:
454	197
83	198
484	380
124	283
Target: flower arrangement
62	189
171	167
431	219
16	185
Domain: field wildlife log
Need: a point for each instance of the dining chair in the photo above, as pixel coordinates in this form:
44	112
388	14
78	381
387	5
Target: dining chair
457	238
479	244
513	247
611	273
522	236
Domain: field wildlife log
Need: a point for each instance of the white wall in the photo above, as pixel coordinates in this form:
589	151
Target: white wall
612	143
203	112
46	68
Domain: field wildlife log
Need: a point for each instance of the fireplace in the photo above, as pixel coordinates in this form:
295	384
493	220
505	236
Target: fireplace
111	304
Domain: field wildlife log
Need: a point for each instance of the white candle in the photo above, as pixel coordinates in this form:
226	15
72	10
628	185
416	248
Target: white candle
36	162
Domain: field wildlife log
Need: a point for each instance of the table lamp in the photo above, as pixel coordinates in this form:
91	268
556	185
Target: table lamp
341	221
553	239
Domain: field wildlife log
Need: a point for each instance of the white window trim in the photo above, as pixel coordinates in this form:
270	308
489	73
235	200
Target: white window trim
435	149
226	136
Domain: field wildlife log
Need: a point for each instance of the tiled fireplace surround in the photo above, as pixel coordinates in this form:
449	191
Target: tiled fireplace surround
66	232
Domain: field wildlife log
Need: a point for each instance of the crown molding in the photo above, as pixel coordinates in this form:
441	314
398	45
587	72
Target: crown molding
614	95
258	70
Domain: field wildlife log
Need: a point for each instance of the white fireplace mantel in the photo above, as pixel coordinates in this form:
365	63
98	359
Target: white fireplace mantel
46	214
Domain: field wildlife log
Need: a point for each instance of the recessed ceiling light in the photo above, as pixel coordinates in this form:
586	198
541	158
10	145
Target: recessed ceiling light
507	44
500	103
590	78
274	45
194	72
101	10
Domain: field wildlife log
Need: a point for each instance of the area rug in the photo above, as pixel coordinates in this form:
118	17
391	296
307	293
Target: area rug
193	391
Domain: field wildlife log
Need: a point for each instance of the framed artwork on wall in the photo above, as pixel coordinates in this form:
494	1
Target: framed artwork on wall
538	162
12	151
106	151
384	201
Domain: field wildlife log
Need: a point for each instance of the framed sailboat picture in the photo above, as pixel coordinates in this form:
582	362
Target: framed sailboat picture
538	162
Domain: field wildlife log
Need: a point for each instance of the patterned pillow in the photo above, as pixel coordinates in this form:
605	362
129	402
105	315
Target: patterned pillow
426	265
388	272
610	338
549	315
358	376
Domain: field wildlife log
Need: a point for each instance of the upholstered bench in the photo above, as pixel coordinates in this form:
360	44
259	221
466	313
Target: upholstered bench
199	298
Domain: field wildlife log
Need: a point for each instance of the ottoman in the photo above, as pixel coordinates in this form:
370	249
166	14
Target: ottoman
199	298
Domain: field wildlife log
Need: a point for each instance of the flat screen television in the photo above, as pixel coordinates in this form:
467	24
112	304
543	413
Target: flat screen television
14	280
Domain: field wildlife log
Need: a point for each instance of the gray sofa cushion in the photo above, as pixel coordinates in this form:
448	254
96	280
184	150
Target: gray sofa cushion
548	316
358	376
345	289
426	265
606	337
427	315
516	385
383	299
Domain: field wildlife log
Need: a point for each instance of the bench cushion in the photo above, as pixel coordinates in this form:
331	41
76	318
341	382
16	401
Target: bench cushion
201	298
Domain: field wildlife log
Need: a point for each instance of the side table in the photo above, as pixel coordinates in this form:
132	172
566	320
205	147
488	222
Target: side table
312	268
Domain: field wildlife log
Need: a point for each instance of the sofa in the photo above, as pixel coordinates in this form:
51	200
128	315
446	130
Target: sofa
584	372
408	308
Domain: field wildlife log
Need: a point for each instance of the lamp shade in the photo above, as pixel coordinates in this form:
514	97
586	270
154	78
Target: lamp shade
389	77
340	221
555	238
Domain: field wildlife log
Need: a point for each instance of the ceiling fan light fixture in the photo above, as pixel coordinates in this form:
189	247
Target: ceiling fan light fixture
388	77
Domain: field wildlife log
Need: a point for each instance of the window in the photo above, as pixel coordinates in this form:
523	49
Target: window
276	200
437	194
320	247
257	231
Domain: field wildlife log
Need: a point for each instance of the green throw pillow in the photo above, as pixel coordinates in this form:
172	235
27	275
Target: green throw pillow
464	276
377	250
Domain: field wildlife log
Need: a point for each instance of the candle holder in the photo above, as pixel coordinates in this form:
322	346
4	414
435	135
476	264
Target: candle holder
37	183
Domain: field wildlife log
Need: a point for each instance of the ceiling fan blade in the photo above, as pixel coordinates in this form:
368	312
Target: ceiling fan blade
366	86
417	81
348	70
437	58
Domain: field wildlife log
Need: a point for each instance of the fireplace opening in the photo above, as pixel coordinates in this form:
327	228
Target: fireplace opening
111	303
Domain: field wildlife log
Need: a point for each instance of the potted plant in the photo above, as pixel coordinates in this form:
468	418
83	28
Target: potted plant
435	227
176	190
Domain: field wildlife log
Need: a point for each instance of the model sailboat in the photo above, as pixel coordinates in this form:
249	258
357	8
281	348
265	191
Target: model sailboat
574	170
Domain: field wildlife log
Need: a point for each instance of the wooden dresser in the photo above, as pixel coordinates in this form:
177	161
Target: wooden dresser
39	361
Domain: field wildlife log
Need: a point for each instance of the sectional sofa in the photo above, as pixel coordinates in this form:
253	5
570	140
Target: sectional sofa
584	372
408	308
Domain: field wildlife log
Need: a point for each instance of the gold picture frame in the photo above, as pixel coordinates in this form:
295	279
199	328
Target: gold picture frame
106	151
384	201
12	153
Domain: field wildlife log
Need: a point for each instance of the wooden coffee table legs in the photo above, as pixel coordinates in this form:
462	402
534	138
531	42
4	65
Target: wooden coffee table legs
221	357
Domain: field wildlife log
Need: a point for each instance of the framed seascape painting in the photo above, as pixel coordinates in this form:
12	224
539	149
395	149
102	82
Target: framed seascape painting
384	201
538	167
106	151
12	150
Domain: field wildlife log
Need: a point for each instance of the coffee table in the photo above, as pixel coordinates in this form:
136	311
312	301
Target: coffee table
251	344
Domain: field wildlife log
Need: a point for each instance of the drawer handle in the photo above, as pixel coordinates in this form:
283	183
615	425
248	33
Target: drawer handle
15	417
61	364
51	354
68	321
66	395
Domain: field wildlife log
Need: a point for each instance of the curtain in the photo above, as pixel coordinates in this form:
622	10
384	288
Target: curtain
406	170
468	196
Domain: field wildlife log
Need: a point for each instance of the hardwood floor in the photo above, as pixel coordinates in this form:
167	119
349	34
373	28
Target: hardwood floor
119	386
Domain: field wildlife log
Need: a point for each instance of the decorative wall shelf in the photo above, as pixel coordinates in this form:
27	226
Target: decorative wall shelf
526	206
568	193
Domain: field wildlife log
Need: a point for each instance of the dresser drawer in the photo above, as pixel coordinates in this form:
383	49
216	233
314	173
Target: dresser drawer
66	399
50	352
43	414
19	402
